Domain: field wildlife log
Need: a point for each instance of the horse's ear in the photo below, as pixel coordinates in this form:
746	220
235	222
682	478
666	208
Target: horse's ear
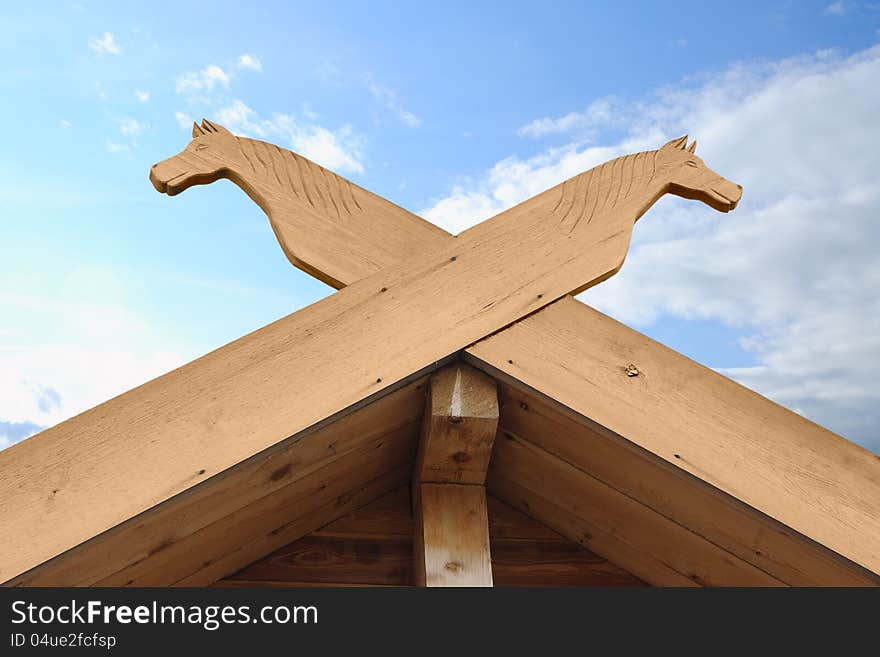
679	143
208	126
197	130
693	147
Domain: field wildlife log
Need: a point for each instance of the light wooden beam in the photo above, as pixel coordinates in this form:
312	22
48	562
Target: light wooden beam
451	538
756	480
460	423
451	535
101	468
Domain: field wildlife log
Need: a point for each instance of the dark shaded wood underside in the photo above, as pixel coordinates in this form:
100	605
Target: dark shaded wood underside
373	546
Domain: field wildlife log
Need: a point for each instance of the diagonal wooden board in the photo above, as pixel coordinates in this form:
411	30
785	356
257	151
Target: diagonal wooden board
101	468
787	500
195	385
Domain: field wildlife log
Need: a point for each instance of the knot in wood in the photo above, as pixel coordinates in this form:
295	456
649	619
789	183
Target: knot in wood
631	370
461	457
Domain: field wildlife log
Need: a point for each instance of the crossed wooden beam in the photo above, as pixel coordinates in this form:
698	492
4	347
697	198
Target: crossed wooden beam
680	475
418	295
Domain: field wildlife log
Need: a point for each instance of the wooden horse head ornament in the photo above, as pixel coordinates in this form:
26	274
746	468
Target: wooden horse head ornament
689	177
340	233
205	159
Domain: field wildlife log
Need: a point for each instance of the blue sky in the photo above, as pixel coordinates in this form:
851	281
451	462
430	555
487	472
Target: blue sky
454	111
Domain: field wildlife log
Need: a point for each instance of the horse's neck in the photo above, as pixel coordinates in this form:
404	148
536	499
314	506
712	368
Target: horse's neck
276	178
620	186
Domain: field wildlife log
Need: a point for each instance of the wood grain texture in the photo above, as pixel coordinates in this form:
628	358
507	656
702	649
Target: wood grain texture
237	539
759	481
167	436
612	518
327	226
451	536
458	428
233	493
372	546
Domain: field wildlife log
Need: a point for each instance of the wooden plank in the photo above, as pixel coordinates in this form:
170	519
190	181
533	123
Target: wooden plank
318	559
327	226
452	536
553	563
641	564
459	426
372	546
271	521
249	552
509	524
231	491
705	510
763	482
166	436
610	513
388	516
528	553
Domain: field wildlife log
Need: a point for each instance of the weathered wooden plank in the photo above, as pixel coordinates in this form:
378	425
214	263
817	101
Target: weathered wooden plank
298	528
459	426
319	559
389	516
452	536
229	492
610	513
751	476
372	546
271	521
641	564
553	563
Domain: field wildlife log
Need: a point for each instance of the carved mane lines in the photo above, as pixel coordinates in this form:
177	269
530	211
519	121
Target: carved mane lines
601	188
290	174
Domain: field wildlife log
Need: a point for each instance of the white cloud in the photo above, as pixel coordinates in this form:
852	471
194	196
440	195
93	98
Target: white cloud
184	120
143	96
204	80
388	98
250	61
116	147
599	114
795	267
104	349
838	8
130	127
339	150
105	44
64	123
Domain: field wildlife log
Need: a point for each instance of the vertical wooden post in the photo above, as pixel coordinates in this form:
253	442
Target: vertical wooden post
449	496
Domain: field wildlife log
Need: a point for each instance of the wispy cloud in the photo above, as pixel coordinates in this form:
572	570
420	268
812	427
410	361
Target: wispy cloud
13	432
340	149
130	127
204	80
143	96
116	147
64	123
388	98
838	8
250	61
599	114
184	120
795	266
105	44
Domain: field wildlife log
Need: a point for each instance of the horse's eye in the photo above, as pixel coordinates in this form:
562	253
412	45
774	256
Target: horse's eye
691	163
201	147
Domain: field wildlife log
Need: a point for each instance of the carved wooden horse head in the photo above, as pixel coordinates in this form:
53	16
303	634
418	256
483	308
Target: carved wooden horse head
689	177
340	233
